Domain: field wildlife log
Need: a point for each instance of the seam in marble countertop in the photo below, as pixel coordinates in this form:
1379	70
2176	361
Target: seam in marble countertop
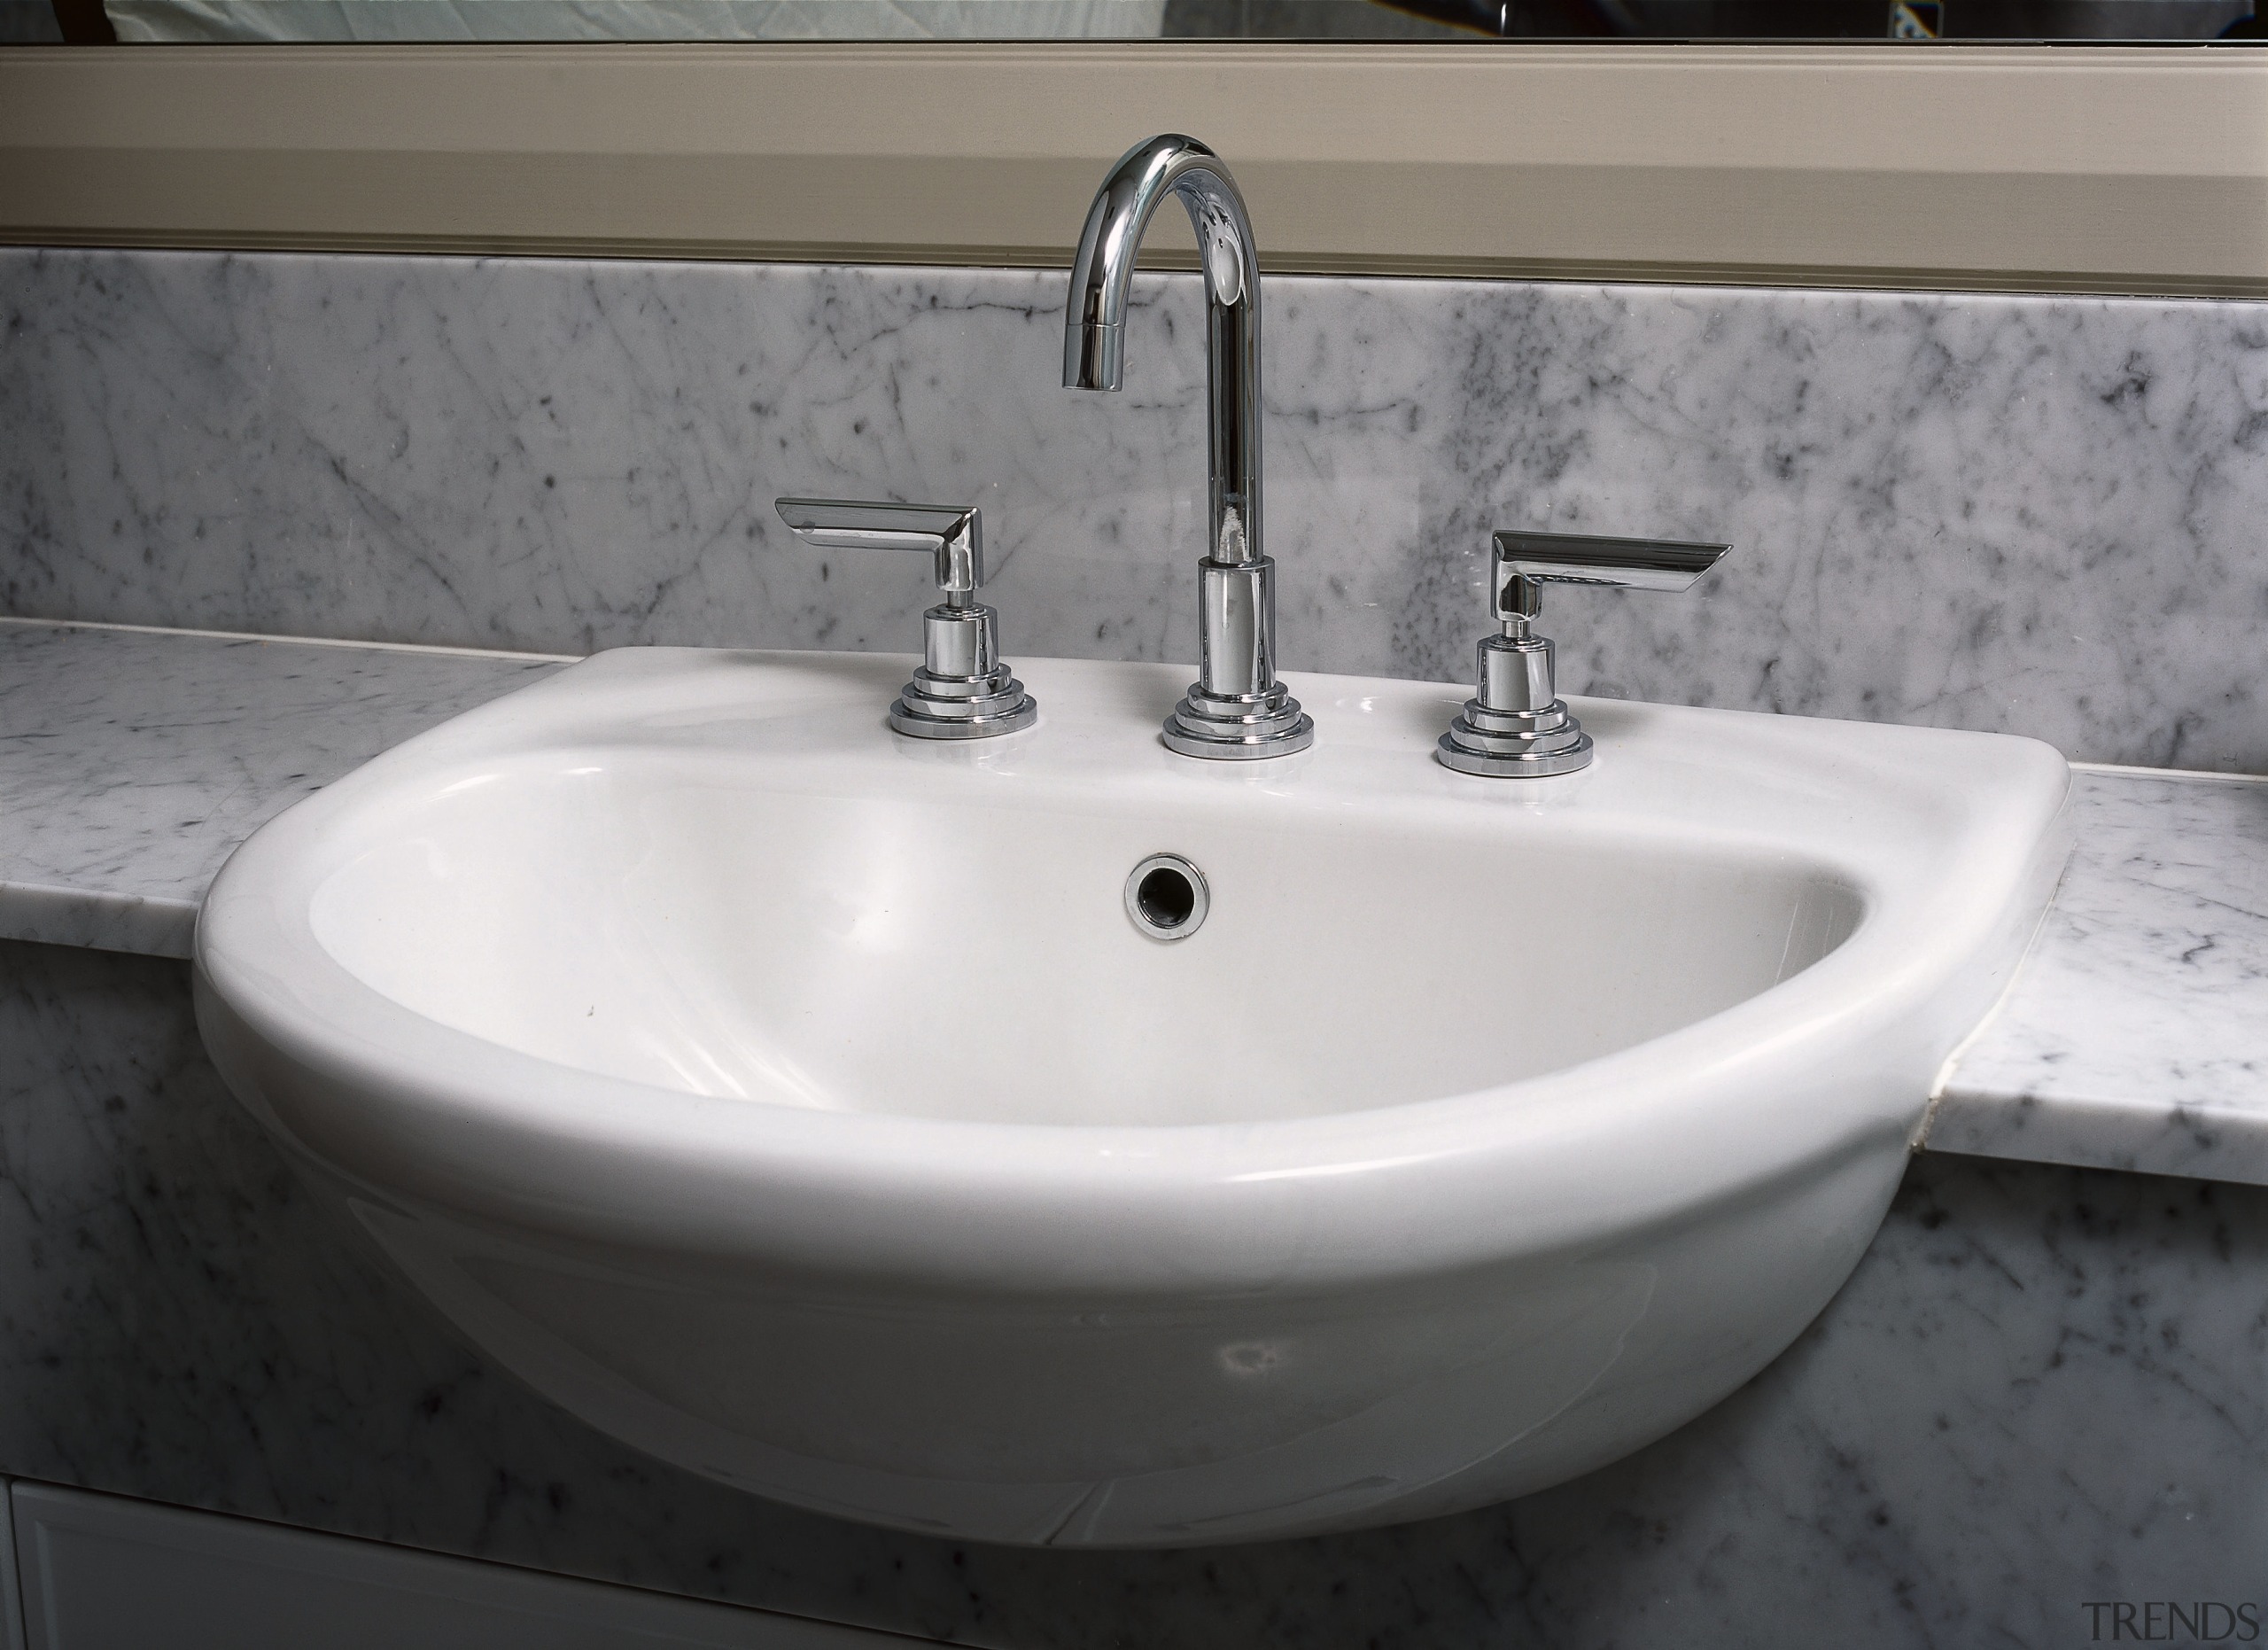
303	642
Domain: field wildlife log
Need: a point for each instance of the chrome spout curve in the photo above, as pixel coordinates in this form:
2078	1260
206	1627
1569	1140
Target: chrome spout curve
1236	709
1094	331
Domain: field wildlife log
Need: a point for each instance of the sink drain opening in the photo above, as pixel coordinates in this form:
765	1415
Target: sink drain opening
1167	897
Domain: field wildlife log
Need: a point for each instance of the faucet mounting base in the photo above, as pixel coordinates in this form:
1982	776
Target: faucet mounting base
1237	728
935	706
1501	744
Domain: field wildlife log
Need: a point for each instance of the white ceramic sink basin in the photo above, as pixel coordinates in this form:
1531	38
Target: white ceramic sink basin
801	1103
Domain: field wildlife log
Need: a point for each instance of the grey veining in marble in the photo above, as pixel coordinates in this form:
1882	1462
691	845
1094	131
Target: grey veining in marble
2034	514
132	764
2136	1036
2040	1387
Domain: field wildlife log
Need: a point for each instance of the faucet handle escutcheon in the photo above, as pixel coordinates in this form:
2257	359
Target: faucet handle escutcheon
964	690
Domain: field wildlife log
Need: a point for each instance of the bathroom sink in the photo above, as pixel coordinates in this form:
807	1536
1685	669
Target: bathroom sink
824	1111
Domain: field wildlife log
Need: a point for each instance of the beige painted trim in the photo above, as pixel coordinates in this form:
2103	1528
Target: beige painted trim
2122	169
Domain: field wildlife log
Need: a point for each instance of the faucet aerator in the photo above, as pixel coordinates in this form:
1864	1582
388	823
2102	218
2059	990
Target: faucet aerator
1094	356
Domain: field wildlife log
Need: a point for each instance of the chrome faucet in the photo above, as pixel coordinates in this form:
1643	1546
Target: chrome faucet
1236	708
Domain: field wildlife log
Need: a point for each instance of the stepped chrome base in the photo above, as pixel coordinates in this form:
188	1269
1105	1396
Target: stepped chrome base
963	707
1239	728
1500	745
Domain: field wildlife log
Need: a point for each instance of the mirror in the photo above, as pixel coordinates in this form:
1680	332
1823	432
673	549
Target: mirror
1401	21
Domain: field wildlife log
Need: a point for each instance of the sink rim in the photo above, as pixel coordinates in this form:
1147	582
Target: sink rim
423	1112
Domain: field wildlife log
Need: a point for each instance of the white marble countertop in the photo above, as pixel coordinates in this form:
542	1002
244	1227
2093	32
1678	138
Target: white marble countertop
2136	1037
132	762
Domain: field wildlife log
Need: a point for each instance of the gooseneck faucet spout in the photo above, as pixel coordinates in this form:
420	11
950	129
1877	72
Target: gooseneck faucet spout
1236	708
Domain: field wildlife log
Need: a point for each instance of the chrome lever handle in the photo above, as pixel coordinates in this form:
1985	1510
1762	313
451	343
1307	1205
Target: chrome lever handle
964	688
1516	723
1520	562
953	534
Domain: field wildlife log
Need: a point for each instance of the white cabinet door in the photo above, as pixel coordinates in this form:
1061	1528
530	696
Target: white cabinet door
101	1572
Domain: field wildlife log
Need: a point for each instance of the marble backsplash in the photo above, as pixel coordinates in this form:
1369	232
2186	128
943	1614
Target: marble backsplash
2040	515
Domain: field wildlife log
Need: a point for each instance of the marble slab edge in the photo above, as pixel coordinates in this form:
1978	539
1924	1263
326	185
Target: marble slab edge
152	926
2141	1136
2135	1035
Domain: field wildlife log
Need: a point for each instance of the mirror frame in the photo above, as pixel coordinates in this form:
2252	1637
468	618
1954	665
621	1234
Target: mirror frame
2111	169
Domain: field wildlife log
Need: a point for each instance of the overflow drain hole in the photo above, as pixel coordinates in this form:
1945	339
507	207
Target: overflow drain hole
1167	897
